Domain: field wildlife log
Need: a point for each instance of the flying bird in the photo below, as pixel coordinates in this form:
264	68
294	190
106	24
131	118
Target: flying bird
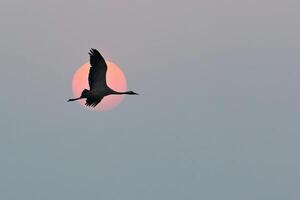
97	82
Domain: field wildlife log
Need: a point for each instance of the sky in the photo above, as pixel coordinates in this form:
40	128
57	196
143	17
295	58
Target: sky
216	118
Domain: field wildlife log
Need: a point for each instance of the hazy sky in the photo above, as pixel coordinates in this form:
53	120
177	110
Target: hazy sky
217	118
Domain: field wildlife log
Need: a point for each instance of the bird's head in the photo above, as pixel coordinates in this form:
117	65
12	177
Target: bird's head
132	93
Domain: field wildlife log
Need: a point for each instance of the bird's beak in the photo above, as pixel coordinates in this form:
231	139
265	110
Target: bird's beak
136	94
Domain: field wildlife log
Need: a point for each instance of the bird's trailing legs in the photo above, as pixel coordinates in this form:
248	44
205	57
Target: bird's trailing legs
75	99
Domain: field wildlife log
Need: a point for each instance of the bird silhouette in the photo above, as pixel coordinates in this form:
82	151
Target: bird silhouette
97	82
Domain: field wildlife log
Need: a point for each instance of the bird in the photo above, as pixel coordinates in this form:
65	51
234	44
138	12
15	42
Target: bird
97	82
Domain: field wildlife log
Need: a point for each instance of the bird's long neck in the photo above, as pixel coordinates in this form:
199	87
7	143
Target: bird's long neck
115	92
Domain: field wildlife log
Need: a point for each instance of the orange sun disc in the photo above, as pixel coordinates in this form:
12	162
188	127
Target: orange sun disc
115	79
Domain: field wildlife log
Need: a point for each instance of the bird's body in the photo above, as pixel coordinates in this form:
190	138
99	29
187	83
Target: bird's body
97	81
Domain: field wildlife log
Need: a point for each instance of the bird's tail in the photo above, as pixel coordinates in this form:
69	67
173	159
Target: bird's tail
83	95
84	92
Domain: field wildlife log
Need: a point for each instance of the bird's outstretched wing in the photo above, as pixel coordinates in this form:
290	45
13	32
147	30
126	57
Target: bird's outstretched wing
92	102
97	74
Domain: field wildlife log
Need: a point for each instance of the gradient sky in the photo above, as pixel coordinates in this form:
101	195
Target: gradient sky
217	118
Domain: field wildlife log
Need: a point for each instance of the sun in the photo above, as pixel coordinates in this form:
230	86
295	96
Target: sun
115	79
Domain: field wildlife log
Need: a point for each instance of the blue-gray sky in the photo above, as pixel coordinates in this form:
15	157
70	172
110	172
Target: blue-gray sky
217	118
